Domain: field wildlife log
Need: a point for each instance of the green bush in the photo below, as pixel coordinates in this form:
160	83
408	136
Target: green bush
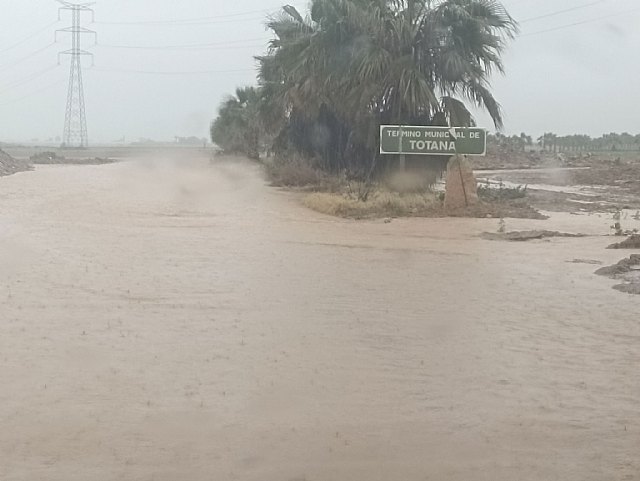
501	193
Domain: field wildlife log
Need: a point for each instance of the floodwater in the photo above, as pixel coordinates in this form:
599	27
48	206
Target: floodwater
495	178
170	320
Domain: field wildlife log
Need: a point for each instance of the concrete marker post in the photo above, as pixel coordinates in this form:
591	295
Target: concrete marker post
403	158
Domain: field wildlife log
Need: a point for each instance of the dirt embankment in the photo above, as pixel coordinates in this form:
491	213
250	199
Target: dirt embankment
521	236
627	271
48	158
633	242
9	165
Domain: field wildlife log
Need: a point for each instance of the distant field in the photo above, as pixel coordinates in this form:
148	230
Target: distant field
102	151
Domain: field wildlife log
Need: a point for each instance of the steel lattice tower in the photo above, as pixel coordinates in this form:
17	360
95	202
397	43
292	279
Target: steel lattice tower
75	121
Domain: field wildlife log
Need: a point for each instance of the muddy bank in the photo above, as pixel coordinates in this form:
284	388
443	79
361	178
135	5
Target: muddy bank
522	236
9	165
53	158
628	271
598	183
633	242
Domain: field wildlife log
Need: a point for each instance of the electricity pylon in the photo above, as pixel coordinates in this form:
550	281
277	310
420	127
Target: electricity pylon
75	120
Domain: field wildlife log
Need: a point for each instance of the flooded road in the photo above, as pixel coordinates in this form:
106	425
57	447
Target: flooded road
174	320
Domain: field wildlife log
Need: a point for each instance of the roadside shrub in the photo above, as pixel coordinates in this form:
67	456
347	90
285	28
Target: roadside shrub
501	193
379	204
296	171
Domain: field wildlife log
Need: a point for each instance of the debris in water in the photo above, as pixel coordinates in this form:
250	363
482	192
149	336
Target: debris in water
526	235
502	226
585	261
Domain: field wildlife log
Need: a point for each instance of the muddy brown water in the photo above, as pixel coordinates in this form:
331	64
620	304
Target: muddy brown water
167	319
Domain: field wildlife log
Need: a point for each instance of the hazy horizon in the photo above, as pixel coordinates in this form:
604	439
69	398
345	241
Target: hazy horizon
568	72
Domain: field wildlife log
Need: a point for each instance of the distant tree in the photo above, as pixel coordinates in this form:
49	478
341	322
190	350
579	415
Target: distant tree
551	141
547	141
626	141
237	128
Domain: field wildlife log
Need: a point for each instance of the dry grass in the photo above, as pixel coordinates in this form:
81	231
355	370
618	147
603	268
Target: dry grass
379	204
407	194
391	204
298	173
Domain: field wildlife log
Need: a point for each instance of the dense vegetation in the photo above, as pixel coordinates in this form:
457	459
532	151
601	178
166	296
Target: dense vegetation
238	127
332	77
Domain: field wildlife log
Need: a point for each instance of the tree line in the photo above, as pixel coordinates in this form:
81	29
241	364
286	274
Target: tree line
333	75
550	142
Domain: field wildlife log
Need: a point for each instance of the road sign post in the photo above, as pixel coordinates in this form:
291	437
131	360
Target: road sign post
423	140
403	159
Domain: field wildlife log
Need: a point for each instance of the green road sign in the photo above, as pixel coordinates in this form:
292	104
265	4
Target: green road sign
421	140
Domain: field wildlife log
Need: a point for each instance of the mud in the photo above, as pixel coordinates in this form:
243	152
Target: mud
632	242
528	235
586	261
623	267
603	182
166	319
515	209
49	157
627	270
632	287
9	165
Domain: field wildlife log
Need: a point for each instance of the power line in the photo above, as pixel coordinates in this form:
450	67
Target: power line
516	3
171	72
27	79
185	20
569	25
29	16
197	20
27	57
26	39
183	23
200	46
182	49
559	12
35	92
191	24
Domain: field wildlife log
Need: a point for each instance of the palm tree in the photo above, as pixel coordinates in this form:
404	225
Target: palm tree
525	140
355	64
626	139
237	128
549	141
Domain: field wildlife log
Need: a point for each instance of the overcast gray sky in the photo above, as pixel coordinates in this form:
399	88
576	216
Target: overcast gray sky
561	77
